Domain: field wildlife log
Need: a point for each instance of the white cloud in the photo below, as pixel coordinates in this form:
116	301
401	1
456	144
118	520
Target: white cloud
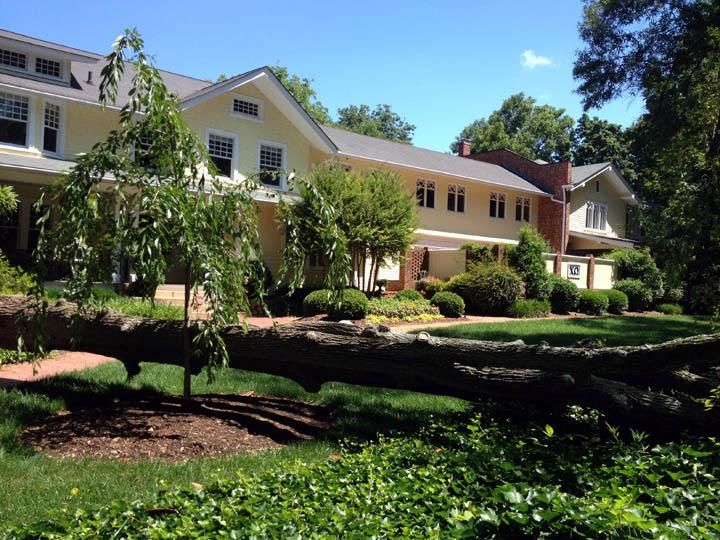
531	60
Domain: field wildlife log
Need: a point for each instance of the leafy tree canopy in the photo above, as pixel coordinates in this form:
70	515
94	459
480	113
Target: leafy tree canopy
598	140
535	131
302	90
380	122
668	52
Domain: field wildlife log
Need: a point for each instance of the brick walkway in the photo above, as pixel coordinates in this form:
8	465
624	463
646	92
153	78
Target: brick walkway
62	362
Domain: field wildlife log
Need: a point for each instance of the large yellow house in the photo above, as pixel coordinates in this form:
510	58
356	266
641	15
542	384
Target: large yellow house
49	113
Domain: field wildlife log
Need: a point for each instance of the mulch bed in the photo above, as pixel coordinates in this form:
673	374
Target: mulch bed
166	428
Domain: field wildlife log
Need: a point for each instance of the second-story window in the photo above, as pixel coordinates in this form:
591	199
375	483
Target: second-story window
14	114
596	216
51	68
522	209
497	205
51	128
221	151
13	59
271	163
456	198
425	193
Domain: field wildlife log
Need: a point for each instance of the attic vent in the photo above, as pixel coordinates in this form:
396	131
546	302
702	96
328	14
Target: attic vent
47	67
89	79
13	59
248	107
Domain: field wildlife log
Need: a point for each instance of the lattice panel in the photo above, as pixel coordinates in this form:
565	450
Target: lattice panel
414	264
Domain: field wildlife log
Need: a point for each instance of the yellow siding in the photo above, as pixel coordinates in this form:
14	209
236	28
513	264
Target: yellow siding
607	195
86	125
272	239
275	127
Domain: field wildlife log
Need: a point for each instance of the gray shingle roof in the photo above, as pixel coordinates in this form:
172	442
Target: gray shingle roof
362	146
583	172
7	34
35	163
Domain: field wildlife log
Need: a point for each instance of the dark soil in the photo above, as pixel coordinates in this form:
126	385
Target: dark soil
170	429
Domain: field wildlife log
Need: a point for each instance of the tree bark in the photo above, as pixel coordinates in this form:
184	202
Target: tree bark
317	352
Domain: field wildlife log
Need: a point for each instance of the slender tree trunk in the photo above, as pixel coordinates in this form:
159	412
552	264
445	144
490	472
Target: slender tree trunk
187	360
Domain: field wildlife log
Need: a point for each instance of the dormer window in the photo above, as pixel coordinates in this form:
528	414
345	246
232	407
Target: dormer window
14	114
13	59
51	68
247	107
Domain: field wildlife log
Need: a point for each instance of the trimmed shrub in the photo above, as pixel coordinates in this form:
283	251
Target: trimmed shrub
476	254
316	303
593	302
671	309
564	296
489	290
528	259
639	264
382	309
449	304
640	298
353	304
431	286
409	295
529	309
617	301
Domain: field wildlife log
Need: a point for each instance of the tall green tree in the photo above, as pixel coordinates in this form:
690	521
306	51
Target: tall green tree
597	140
376	218
668	53
380	122
303	92
520	124
170	208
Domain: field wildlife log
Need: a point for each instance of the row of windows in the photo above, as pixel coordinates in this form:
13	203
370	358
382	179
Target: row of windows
15	122
425	193
271	158
18	60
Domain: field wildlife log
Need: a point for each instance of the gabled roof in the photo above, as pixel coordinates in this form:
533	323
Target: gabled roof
582	174
431	162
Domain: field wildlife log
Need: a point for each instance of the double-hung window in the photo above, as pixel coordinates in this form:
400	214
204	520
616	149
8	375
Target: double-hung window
497	205
14	119
51	128
425	193
596	216
222	150
271	163
456	198
522	209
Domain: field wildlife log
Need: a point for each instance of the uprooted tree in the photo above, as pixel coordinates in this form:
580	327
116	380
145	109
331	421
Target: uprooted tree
657	387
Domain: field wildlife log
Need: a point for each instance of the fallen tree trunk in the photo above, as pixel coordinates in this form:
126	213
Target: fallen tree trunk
314	353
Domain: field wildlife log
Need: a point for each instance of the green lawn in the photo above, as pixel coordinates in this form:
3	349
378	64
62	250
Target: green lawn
611	331
33	485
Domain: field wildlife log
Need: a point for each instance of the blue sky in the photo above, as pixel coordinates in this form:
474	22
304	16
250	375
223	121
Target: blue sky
438	64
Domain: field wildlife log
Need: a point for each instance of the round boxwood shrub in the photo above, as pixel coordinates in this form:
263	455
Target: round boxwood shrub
564	295
488	290
316	302
593	302
408	295
353	305
671	309
640	298
449	304
530	309
617	301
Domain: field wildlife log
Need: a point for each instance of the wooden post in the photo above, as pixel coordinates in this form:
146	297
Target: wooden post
558	263
591	272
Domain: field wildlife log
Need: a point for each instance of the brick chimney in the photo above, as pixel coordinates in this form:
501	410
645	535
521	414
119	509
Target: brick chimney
464	148
551	177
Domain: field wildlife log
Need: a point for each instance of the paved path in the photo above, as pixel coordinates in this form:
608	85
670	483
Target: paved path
62	362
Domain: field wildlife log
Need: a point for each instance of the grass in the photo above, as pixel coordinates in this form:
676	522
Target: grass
35	485
611	331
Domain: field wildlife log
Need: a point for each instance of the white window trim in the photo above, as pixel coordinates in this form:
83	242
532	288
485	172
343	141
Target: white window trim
498	193
595	205
425	190
260	118
30	134
283	177
30	62
60	152
458	187
236	148
522	211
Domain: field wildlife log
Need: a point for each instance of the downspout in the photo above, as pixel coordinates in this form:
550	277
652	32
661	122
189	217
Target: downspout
564	218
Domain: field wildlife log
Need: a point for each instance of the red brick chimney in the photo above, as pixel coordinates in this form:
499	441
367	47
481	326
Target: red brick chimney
549	176
464	148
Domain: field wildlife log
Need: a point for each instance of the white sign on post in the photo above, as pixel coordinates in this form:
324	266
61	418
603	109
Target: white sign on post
573	271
